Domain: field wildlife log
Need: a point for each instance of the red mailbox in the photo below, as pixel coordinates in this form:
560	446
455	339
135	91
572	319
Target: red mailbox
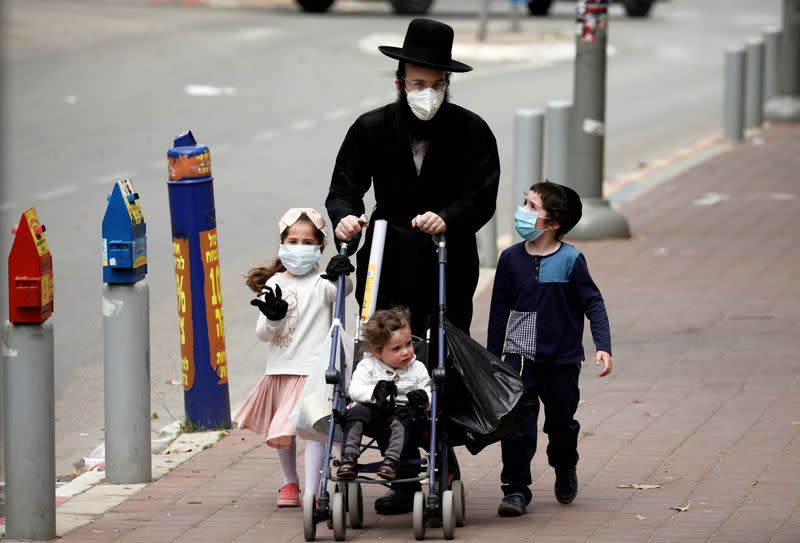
30	272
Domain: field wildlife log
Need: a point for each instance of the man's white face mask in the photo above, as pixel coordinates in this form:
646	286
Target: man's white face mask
425	103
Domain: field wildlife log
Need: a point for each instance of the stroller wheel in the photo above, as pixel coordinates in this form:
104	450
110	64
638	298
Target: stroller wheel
333	488
419	516
309	516
448	515
355	505
459	503
338	516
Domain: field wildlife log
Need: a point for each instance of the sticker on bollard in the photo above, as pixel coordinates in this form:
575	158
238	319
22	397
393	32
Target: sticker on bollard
30	272
197	280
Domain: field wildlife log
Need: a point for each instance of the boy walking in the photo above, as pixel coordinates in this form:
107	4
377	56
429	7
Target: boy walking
542	290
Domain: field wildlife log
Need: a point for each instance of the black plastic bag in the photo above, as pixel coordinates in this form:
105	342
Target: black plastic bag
484	399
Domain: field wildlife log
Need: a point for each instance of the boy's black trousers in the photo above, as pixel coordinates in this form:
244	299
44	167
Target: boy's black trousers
556	385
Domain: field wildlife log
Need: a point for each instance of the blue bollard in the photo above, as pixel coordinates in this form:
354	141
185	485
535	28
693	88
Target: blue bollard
197	280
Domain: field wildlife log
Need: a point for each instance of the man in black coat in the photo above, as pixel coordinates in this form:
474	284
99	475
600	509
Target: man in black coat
437	175
435	169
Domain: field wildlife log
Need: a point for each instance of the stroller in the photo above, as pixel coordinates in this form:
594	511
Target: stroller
443	505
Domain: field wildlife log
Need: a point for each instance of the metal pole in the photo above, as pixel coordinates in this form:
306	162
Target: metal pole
528	151
487	243
600	220
786	106
126	352
483	20
734	93
30	451
515	15
559	131
754	83
772	51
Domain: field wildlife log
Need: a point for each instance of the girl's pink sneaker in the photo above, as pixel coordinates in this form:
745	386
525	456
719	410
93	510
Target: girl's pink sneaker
289	495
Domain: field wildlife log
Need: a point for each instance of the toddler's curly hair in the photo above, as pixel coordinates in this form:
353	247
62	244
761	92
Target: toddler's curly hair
383	323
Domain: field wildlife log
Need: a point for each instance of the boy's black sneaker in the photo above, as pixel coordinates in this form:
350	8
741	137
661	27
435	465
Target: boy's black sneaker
566	487
512	505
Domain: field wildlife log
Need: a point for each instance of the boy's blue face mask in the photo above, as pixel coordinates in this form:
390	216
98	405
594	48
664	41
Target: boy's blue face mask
525	224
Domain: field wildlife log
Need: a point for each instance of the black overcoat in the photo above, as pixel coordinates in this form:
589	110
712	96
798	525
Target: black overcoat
458	181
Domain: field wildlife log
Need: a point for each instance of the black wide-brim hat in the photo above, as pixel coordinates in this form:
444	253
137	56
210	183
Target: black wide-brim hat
427	43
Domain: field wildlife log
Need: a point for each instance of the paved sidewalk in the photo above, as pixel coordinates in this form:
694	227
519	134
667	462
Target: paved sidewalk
703	405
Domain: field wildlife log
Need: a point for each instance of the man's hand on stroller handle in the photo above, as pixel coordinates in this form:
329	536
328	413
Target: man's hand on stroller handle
429	222
349	226
273	306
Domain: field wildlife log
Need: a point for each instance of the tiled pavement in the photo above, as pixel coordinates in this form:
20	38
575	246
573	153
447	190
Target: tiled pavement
704	401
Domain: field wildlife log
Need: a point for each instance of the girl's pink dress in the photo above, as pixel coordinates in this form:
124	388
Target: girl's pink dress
266	410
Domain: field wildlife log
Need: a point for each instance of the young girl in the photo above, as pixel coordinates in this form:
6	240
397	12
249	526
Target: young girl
389	374
296	311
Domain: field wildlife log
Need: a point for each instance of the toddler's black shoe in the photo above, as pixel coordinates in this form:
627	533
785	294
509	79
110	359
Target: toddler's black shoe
512	505
566	487
348	468
388	469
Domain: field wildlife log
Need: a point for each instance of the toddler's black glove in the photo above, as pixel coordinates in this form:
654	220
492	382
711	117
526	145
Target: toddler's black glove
417	398
339	265
272	306
384	394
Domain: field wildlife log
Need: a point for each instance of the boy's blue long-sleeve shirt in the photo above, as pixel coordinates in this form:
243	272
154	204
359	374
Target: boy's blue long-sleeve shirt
539	303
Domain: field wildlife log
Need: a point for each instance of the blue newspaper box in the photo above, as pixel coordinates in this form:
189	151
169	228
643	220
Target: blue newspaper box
124	236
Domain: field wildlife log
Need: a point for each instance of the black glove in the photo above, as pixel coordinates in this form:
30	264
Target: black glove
384	394
272	306
417	398
339	265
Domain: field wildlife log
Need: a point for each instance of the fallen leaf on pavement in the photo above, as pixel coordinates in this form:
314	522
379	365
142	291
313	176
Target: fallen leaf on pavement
682	508
638	486
650	414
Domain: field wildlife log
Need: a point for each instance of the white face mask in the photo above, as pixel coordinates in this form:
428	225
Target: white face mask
425	103
299	259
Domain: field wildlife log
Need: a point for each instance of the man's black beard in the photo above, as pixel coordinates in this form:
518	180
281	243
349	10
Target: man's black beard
418	129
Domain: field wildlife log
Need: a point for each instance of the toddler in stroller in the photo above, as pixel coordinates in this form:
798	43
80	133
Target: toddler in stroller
391	389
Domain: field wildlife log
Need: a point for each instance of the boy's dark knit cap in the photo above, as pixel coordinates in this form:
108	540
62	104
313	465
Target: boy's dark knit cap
574	207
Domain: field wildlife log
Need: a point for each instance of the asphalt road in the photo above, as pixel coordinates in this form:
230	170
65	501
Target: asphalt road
93	90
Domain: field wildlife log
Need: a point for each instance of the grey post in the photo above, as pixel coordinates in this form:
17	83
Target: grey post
487	243
600	220
786	106
126	355
30	447
483	20
559	140
772	52
754	83
733	115
514	15
528	151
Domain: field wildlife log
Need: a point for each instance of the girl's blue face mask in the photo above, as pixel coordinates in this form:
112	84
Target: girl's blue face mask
525	224
299	259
